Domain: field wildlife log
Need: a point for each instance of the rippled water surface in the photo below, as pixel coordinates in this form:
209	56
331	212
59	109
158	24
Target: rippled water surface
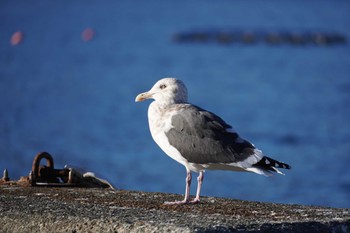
75	98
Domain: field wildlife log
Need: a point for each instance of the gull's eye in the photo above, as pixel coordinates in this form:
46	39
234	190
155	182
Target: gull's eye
162	86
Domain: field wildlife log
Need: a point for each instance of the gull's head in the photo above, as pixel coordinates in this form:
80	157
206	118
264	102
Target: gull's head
166	91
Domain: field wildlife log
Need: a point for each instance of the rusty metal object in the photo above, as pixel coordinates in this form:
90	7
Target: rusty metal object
47	175
38	158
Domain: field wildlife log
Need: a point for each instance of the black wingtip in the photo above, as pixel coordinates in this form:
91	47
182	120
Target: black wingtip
268	163
283	165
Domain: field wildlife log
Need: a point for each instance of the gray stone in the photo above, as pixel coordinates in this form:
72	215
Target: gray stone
39	209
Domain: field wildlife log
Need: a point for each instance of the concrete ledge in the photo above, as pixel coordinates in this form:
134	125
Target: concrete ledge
40	209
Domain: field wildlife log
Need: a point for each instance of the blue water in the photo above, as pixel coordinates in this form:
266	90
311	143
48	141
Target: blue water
75	99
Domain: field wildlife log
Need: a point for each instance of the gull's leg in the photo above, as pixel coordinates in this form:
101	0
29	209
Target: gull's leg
187	191
199	187
188	185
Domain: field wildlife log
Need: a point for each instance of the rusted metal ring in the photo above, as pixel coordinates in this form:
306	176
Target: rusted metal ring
36	163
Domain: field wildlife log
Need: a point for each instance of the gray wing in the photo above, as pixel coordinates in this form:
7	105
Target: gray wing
202	137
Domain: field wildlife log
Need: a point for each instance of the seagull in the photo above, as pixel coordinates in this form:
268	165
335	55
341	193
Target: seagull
199	139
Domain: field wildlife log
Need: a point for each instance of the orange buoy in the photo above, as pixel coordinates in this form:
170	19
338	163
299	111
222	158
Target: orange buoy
88	34
16	38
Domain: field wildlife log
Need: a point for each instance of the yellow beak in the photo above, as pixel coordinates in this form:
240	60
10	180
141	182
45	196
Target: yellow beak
143	96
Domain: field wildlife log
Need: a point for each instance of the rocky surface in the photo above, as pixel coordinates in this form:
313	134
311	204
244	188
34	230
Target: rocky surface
42	209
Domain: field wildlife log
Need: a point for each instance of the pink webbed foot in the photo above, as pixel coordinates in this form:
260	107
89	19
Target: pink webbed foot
183	202
196	200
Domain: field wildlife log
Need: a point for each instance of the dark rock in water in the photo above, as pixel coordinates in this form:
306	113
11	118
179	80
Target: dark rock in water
274	38
252	37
